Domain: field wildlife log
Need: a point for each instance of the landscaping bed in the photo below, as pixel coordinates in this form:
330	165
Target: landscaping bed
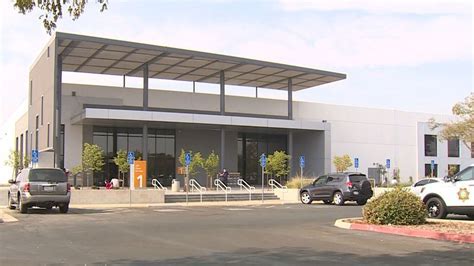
442	226
450	230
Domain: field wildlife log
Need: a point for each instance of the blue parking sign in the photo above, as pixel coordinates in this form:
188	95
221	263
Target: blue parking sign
263	160
356	162
302	161
387	164
130	157
432	164
34	156
187	159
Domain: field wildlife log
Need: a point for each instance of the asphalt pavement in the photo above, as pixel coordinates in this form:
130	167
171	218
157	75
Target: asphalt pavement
293	234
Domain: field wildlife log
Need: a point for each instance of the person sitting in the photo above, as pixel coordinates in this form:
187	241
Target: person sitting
108	184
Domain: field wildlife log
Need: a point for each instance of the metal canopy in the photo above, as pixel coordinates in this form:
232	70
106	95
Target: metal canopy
113	57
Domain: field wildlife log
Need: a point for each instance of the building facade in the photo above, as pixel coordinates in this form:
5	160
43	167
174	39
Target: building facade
157	124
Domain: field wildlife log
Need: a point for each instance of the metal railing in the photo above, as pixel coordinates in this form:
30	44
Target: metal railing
275	185
157	185
194	185
220	185
246	186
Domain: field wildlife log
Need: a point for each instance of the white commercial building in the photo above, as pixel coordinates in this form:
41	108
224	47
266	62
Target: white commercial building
158	123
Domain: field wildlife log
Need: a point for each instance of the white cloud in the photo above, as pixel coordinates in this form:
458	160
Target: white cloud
382	6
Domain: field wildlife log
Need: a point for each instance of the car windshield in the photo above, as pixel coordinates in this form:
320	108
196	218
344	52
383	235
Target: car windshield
357	178
47	175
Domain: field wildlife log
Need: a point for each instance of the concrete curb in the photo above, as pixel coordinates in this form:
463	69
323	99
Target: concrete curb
422	233
6	218
181	204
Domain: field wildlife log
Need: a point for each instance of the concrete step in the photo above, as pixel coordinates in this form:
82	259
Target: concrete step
218	197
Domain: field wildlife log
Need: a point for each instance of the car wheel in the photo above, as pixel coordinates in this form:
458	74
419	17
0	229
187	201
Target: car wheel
10	202
361	202
436	208
306	198
21	207
63	208
327	201
338	198
49	208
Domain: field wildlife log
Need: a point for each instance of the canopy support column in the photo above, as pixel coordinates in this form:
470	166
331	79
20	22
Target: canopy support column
290	99
222	94
222	155
145	107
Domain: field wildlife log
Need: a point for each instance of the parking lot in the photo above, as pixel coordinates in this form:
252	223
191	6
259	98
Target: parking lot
267	234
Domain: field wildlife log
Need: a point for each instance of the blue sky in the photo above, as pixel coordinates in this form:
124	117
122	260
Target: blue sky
407	55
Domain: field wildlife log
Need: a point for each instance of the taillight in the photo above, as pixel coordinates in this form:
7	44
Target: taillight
68	187
26	187
349	184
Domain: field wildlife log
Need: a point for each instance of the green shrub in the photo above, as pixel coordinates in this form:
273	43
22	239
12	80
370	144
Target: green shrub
396	207
295	182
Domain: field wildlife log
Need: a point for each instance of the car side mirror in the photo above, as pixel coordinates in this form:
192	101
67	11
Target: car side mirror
11	181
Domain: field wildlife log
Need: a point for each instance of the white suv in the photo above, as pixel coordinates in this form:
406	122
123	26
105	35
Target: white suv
454	196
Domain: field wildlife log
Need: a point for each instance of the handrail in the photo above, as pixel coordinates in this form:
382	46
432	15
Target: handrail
220	185
196	186
247	187
274	184
157	185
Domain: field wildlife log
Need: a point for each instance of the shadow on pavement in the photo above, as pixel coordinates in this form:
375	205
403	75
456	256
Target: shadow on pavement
459	255
55	211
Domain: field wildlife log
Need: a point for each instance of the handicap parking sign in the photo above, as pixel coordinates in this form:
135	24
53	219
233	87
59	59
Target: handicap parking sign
263	160
356	162
302	161
387	164
34	156
187	159
130	157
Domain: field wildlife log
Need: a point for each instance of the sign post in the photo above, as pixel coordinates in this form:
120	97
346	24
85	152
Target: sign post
263	163
302	164
356	163
131	160
187	162
432	167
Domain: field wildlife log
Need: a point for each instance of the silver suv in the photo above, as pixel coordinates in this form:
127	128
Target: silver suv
41	187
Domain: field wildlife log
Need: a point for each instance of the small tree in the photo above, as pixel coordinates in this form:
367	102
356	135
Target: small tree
278	164
463	127
92	159
342	163
211	166
193	168
13	161
122	164
26	161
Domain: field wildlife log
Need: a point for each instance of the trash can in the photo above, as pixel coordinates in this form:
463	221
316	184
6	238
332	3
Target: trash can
175	185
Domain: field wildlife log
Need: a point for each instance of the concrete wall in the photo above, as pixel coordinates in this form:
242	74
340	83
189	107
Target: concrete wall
311	144
41	84
139	196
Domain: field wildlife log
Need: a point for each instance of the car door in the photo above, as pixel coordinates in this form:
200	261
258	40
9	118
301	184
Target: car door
464	188
331	185
318	187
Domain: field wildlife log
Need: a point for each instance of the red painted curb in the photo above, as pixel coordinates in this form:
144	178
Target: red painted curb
423	233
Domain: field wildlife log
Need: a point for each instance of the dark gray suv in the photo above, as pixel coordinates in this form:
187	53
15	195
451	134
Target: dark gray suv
338	188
